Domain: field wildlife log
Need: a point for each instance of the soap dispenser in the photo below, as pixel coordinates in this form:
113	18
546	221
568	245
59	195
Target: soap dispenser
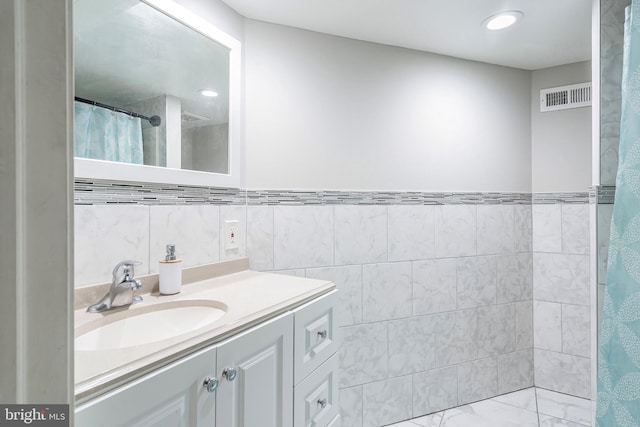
170	272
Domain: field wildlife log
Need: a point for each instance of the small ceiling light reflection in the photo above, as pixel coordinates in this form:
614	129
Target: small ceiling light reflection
208	92
502	20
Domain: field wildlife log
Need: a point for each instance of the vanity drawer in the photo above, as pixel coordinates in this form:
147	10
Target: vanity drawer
335	422
316	398
315	334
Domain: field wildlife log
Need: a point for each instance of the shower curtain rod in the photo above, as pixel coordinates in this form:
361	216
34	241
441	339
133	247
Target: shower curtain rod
154	120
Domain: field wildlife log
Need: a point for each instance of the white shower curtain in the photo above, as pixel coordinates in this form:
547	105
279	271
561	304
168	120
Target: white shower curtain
103	134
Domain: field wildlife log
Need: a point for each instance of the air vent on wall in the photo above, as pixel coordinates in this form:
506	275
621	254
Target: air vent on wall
565	97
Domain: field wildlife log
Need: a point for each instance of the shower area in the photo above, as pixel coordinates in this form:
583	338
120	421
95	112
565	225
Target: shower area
615	372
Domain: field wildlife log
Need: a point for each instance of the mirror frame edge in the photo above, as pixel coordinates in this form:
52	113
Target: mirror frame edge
100	169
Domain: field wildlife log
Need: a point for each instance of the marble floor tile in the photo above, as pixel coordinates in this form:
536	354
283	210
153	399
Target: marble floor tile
517	409
547	421
489	413
564	406
524	399
431	420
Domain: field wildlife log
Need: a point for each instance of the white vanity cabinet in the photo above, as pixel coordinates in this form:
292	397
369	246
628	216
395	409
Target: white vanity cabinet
255	371
280	373
316	363
172	396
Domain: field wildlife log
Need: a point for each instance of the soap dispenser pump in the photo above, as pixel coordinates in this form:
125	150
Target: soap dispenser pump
170	272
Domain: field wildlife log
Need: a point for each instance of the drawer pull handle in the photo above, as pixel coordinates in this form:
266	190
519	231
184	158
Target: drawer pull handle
322	403
210	383
230	373
322	334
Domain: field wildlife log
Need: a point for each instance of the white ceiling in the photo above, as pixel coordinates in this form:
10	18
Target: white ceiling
553	32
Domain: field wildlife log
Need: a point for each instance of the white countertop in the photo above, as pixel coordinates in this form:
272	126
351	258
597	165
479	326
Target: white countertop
250	297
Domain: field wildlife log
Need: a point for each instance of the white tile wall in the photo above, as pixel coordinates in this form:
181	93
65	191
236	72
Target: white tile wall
547	228
106	235
303	236
436	301
455	232
411	232
360	234
434	286
435	390
561	293
386	402
193	229
386	291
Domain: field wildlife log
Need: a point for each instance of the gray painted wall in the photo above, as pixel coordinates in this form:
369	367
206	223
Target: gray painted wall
560	140
324	112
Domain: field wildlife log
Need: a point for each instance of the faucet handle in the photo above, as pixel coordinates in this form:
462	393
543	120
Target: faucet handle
127	266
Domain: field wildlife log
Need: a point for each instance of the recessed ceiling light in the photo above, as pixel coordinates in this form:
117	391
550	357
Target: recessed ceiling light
208	92
502	20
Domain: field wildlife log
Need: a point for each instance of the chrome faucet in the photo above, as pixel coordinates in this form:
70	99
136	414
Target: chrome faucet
122	291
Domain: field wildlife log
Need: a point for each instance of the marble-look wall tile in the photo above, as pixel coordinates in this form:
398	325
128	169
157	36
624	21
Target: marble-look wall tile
386	291
515	371
230	213
455	230
348	279
496	330
295	272
434	286
563	373
435	390
575	229
605	212
576	330
477	380
363	354
303	236
523	228
561	278
514	277
411	345
524	325
351	406
496	229
193	229
411	232
361	234
547	228
260	238
104	235
456	337
547	325
476	281
387	402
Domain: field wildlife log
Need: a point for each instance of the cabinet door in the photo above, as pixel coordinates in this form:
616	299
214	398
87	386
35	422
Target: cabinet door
172	396
257	391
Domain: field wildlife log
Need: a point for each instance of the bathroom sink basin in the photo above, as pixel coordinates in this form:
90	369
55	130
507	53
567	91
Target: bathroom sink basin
149	324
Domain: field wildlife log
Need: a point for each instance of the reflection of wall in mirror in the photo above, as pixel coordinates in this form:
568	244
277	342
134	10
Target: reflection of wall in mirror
153	137
205	148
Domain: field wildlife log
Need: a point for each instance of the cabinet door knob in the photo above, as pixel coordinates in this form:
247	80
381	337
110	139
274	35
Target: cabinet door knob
210	384
322	334
230	373
322	403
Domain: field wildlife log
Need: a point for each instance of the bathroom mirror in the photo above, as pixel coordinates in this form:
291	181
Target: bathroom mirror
157	92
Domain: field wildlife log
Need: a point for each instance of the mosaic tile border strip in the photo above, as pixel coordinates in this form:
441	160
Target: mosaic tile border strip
560	198
271	197
102	192
602	194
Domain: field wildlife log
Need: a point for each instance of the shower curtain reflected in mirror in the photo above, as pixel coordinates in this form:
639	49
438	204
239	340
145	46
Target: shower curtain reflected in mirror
103	134
618	399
